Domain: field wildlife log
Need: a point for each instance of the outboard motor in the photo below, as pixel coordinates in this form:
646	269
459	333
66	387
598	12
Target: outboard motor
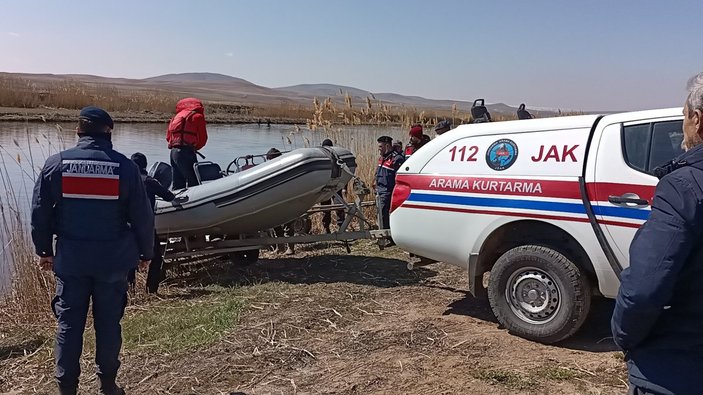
162	173
479	112
522	113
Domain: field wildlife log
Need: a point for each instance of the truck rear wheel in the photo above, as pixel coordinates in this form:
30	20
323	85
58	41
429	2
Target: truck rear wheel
539	294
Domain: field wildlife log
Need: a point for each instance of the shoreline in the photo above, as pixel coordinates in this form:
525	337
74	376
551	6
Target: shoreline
17	114
48	114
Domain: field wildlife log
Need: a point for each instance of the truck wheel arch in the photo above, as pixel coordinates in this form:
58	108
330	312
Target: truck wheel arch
525	232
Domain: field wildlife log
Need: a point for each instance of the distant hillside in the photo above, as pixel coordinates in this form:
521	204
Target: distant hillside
332	90
198	77
324	90
225	88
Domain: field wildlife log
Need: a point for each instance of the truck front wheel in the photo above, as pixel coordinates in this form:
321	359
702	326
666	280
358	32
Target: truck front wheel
539	294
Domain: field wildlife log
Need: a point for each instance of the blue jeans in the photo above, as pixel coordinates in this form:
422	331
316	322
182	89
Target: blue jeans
70	306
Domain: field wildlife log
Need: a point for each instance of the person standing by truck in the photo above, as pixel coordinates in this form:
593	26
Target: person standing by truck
389	162
417	140
92	198
186	135
658	316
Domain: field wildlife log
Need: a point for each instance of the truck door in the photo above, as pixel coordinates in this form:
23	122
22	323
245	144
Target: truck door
621	192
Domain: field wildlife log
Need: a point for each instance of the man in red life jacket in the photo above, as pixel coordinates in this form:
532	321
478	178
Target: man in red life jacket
417	140
186	135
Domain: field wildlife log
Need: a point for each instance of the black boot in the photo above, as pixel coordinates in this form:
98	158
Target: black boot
68	390
110	389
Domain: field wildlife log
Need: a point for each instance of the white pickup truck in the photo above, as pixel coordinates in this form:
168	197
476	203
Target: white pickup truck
543	209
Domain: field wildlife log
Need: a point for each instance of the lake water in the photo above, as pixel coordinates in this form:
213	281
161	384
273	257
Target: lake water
25	146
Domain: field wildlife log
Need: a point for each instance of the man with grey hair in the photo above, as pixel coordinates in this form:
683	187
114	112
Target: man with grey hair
658	316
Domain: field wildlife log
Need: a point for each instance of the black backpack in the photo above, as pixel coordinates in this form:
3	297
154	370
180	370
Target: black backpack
522	113
479	112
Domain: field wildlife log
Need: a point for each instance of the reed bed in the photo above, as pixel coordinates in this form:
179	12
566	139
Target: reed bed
24	93
25	302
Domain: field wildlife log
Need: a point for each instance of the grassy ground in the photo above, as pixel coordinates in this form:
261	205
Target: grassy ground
323	321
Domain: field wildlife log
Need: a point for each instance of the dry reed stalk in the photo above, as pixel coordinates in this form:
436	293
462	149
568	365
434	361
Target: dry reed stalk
26	303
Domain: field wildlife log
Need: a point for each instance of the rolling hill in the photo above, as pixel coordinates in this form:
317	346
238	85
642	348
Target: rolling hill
225	88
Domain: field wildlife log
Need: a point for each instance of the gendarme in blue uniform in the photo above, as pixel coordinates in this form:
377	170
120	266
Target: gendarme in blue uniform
92	199
388	165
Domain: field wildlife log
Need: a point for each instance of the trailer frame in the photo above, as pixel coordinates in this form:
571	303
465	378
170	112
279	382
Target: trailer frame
184	249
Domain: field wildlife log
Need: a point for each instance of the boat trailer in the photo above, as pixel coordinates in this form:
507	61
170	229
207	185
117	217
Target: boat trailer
245	248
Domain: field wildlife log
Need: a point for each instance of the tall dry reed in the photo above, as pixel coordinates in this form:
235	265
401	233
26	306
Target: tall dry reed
24	305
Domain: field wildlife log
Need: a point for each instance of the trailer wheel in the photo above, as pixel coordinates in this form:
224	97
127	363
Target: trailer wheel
245	258
539	294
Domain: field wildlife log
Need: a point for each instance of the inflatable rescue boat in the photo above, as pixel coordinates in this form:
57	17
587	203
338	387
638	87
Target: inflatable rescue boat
259	198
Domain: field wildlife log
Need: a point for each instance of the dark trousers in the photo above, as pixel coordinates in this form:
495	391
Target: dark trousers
182	161
155	274
327	215
286	230
383	200
70	305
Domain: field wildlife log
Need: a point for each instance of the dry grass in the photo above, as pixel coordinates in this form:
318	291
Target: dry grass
343	109
372	111
23	93
25	306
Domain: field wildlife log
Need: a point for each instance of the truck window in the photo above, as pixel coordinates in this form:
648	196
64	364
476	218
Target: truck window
636	145
648	146
666	143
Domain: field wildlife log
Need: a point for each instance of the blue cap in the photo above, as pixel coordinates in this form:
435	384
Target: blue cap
96	115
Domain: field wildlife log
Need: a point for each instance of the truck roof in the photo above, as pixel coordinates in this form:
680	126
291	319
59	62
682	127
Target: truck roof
554	123
526	125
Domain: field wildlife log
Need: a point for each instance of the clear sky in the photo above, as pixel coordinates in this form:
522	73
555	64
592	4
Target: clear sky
590	55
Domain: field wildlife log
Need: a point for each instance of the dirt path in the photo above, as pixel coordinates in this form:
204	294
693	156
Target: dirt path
326	322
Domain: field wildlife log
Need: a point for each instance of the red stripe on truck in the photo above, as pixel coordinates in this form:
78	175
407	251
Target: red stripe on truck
601	191
598	191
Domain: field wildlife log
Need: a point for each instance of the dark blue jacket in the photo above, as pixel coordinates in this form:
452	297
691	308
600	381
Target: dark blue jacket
658	317
154	188
93	199
388	165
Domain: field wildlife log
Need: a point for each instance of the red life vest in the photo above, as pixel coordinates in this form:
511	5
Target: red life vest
409	150
187	128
